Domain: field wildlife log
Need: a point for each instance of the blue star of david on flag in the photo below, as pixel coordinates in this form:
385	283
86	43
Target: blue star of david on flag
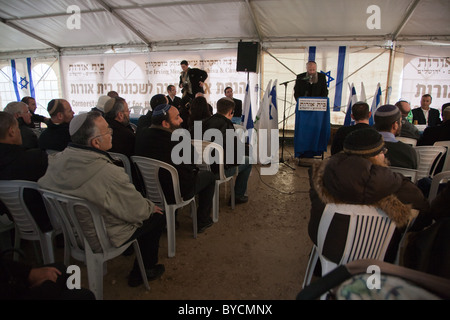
23	83
329	77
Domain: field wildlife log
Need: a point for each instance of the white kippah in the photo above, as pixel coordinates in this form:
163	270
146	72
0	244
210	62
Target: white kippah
102	101
77	122
109	105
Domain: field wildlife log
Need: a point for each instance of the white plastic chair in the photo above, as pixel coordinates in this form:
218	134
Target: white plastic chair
369	233
12	195
125	161
412	142
149	169
64	207
427	156
446	144
205	148
408	173
443	176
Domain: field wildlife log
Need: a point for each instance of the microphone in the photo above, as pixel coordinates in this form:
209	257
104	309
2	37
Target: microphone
306	77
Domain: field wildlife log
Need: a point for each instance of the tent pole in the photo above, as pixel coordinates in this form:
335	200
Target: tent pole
390	72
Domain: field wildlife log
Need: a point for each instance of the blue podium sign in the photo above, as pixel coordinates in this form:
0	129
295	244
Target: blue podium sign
312	126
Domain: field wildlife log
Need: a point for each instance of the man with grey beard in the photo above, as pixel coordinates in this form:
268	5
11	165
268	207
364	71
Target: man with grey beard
310	83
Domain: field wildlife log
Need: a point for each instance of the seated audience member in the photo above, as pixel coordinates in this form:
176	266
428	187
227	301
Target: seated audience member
437	133
84	169
155	142
237	105
408	129
145	121
100	107
429	250
201	94
35	118
18	163
172	99
117	115
21	281
360	175
361	114
56	136
425	114
389	124
222	121
199	111
20	111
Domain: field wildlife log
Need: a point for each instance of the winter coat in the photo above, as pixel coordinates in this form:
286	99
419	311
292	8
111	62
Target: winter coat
91	174
355	180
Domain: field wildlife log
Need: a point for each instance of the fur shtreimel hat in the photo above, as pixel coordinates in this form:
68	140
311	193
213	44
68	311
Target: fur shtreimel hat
365	142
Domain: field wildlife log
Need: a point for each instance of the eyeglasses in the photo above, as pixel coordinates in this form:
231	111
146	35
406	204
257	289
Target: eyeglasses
384	150
110	131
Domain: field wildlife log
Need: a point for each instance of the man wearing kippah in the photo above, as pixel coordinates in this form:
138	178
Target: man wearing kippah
155	142
388	122
360	175
85	170
56	136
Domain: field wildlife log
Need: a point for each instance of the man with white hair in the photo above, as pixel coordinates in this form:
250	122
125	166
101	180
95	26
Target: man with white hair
85	170
20	111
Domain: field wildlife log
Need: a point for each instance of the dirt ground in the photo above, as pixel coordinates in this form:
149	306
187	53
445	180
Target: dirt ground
258	251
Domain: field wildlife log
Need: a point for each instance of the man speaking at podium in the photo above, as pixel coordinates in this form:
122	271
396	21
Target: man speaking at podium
310	83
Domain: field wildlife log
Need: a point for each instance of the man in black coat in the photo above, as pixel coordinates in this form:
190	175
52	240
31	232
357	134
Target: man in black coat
191	80
425	114
310	83
155	142
18	163
171	96
437	133
237	105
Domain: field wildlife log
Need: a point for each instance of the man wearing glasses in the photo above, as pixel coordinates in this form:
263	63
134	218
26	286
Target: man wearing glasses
85	170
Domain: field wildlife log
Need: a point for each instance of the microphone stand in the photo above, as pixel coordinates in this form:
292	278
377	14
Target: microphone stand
284	122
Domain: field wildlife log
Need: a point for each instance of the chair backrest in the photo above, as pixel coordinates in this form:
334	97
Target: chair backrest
427	156
443	176
205	150
409	173
12	195
446	144
412	142
125	161
199	146
149	169
369	231
65	207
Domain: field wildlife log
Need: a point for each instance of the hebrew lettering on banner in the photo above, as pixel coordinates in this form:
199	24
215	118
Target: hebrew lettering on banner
427	74
140	76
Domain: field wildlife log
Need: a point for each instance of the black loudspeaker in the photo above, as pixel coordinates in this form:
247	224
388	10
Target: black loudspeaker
247	56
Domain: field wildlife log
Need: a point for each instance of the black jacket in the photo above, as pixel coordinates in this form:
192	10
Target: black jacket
433	117
55	137
195	76
303	88
123	138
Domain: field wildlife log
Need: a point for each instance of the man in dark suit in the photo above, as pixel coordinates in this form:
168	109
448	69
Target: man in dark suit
237	105
171	96
310	83
191	80
437	133
426	115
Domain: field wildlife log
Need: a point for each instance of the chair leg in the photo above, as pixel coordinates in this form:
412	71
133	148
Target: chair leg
170	218
137	252
233	196
95	275
216	203
194	218
313	257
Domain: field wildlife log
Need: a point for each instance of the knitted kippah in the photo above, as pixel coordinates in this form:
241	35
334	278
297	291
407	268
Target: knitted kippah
365	142
161	109
109	105
77	122
388	112
102	101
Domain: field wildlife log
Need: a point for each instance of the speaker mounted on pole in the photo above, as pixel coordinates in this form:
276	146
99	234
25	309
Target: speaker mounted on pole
247	56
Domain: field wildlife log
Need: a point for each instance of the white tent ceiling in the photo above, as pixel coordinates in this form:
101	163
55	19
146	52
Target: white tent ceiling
156	25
